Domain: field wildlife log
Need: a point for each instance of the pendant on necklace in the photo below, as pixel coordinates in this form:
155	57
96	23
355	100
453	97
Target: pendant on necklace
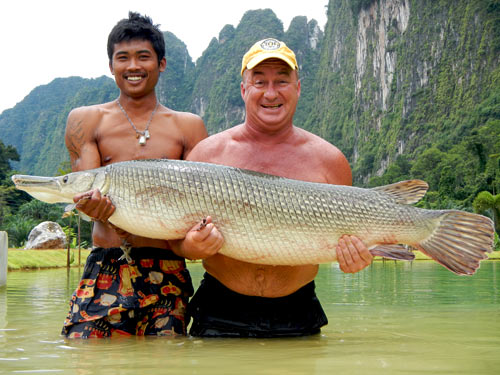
142	136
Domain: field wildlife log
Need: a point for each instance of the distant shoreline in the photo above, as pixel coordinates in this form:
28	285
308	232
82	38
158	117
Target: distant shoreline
20	260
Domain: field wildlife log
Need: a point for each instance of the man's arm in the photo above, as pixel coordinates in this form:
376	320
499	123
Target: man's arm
84	154
80	140
202	241
352	254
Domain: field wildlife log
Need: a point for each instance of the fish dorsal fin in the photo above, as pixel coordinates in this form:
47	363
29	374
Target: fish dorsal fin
405	192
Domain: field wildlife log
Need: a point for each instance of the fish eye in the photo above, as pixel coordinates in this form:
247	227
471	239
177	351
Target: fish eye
65	179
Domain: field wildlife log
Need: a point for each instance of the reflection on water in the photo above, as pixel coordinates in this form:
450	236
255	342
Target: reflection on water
389	318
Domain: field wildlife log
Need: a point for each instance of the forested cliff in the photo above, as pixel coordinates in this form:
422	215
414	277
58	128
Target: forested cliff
411	88
405	88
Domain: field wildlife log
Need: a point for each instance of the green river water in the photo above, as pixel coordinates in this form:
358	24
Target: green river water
391	318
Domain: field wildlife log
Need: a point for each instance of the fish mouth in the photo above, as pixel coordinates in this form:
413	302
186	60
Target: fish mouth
45	189
32	184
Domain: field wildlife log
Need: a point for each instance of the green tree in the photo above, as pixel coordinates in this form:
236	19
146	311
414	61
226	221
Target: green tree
7	153
4	207
10	198
424	166
486	202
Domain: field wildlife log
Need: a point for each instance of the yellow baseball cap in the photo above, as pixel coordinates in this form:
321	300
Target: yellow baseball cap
267	49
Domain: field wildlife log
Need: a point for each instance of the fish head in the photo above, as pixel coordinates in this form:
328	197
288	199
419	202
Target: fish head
59	189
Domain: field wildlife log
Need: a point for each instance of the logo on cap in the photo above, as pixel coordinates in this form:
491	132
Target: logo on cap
270	44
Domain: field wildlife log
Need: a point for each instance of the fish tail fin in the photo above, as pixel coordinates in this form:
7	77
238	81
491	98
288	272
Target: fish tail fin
460	241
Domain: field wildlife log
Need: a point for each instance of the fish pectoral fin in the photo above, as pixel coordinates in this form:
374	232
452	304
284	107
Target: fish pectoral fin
405	192
396	252
84	217
69	209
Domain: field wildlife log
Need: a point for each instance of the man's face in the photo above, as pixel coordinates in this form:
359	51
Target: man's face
135	67
270	91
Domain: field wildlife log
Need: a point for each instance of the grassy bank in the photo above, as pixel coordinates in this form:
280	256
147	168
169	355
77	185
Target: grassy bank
491	256
30	259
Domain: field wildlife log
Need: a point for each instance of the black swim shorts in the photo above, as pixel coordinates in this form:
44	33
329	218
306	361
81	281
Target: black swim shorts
217	311
147	296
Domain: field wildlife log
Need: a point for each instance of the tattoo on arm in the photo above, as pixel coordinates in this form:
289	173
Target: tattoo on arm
75	140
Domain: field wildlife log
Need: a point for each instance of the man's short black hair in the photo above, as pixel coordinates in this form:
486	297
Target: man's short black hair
136	27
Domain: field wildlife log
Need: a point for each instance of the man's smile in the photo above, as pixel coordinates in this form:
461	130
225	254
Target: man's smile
135	77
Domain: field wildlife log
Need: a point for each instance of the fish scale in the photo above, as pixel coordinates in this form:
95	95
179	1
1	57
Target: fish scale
274	220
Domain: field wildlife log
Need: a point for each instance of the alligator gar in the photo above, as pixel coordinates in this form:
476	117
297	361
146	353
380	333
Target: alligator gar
273	220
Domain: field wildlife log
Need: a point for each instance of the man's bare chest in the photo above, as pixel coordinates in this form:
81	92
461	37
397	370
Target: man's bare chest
127	147
294	166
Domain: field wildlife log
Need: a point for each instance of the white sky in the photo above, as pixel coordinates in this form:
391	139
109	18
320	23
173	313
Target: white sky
45	39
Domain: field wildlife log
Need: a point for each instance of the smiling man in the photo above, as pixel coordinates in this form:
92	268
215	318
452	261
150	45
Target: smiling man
239	299
147	292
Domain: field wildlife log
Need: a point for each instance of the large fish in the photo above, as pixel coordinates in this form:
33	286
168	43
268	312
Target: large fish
273	220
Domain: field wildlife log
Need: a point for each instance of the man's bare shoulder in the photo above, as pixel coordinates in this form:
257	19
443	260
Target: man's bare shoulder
329	156
317	145
187	127
95	107
212	148
179	117
89	114
213	142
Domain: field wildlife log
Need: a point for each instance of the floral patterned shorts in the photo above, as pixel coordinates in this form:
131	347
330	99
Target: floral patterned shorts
147	296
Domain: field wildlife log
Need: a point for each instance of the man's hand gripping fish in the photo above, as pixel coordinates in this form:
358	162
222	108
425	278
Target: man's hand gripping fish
273	220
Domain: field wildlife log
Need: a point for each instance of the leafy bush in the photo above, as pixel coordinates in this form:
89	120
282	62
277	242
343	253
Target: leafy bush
18	230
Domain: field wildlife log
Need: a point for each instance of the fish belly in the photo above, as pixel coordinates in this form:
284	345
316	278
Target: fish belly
264	219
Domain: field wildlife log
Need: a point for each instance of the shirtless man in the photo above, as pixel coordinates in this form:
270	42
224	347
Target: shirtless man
147	294
239	299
